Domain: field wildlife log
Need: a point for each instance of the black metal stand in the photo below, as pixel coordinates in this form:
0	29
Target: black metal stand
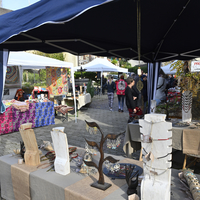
100	186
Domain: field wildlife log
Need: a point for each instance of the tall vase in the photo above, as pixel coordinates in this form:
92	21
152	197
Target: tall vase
187	106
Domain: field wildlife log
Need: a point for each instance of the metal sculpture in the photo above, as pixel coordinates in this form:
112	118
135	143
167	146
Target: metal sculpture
100	184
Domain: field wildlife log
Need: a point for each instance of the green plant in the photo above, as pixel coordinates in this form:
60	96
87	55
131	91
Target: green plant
144	68
169	106
89	75
28	88
90	88
189	81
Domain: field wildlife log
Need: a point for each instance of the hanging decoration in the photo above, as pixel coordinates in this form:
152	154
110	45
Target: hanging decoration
186	101
57	80
12	77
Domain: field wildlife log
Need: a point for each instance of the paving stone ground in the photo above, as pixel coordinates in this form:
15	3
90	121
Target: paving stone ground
109	121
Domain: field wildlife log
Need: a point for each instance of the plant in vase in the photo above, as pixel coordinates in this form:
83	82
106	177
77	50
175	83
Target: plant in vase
114	142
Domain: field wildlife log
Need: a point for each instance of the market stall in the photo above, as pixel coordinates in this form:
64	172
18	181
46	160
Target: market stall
37	183
132	138
101	65
39	109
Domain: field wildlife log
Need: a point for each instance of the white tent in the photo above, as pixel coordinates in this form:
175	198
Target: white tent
101	65
167	70
32	61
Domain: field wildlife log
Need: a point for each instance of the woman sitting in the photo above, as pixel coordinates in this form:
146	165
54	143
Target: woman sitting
20	95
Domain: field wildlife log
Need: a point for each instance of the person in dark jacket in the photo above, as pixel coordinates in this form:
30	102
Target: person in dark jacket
104	80
110	86
144	92
131	98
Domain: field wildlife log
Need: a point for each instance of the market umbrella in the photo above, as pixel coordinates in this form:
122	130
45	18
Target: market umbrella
105	28
101	65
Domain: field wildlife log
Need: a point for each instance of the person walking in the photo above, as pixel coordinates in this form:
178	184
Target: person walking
131	98
110	86
160	90
121	87
144	92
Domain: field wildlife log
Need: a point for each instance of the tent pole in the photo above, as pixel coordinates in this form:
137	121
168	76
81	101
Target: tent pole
101	81
73	87
3	67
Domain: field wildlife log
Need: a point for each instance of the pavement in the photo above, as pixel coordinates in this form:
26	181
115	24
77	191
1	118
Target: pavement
97	111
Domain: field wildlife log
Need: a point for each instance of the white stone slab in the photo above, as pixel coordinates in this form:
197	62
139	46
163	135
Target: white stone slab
60	143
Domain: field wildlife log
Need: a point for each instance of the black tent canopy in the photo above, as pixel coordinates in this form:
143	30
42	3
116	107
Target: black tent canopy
106	28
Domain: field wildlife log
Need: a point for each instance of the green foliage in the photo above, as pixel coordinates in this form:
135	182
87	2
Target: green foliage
28	88
124	64
90	88
144	68
114	61
89	75
170	106
42	75
189	81
58	56
36	78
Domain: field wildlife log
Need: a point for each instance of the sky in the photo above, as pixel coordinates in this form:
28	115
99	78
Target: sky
17	4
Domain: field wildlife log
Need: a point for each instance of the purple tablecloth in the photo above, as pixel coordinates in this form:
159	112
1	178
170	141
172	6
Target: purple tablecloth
23	117
6	121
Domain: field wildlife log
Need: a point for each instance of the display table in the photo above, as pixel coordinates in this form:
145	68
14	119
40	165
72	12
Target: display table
82	100
51	186
39	114
132	138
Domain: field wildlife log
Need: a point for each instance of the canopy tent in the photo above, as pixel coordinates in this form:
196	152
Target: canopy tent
167	69
32	61
101	65
89	27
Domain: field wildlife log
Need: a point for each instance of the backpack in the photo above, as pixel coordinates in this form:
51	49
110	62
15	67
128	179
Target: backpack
121	85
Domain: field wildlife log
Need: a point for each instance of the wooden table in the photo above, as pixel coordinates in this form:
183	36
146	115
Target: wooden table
51	186
82	100
132	138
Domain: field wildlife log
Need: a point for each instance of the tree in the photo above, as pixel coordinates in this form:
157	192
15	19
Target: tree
124	64
114	61
189	81
58	56
134	69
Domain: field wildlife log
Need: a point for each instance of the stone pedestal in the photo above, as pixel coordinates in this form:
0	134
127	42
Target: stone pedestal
186	106
156	144
60	143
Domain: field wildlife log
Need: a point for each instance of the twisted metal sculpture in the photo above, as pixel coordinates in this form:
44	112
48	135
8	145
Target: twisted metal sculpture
100	183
